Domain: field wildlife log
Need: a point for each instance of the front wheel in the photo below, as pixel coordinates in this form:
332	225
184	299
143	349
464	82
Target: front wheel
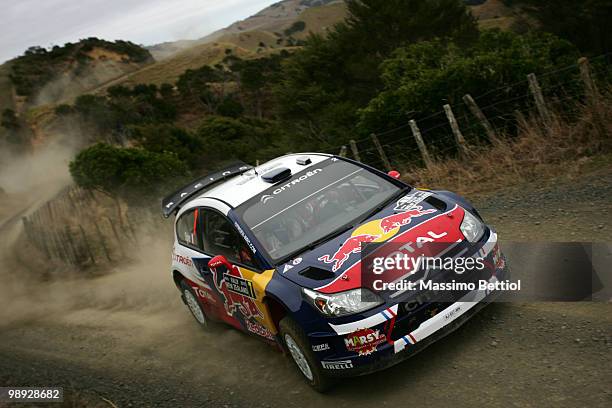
193	304
299	348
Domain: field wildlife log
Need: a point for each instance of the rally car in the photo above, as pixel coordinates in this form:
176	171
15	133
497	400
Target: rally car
276	251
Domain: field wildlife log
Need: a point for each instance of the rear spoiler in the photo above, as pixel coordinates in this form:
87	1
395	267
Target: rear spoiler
175	200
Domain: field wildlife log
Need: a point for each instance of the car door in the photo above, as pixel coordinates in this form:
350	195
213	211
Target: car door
188	258
241	283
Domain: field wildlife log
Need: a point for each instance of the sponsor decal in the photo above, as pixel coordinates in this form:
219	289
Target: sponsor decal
246	239
349	247
364	341
265	198
237	293
410	201
182	259
291	264
337	365
320	347
204	294
260	330
395	221
240	286
442	227
373	231
303	177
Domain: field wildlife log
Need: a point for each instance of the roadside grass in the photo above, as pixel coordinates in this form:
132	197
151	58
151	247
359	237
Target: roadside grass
569	146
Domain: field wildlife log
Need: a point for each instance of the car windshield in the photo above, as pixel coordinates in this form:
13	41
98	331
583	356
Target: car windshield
312	205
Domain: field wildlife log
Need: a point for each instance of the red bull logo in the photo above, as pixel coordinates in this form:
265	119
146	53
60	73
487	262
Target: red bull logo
394	221
373	231
350	246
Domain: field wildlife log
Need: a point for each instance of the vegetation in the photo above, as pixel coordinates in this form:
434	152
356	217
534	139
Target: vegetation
418	77
387	63
296	27
39	65
134	174
584	23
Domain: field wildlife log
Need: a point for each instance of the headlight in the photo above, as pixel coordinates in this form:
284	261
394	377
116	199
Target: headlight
343	303
471	227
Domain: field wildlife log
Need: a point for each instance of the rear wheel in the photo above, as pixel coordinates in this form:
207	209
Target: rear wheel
302	355
193	304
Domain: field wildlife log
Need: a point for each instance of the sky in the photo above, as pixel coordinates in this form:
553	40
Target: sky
25	23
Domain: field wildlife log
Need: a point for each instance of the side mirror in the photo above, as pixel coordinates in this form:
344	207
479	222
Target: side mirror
394	173
218	261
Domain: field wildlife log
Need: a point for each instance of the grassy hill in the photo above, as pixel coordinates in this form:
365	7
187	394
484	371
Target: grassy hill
256	36
42	76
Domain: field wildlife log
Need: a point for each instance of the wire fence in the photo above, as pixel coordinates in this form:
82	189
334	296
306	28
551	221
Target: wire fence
500	107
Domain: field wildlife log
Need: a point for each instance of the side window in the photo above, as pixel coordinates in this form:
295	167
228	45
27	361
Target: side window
221	238
187	229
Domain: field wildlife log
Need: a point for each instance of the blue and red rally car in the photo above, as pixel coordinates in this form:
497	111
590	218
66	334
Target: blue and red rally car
276	251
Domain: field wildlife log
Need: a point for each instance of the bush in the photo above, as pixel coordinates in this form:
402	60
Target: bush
420	78
227	139
134	174
166	138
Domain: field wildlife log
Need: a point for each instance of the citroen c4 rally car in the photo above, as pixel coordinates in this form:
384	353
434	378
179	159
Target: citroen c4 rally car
275	252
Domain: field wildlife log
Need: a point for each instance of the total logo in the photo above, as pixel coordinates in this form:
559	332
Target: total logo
380	230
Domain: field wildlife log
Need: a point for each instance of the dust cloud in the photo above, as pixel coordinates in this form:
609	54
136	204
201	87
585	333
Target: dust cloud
142	284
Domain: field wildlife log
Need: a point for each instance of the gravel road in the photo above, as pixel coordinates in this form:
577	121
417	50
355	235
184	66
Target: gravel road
125	338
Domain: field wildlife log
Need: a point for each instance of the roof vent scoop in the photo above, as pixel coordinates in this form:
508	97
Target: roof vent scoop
303	160
276	175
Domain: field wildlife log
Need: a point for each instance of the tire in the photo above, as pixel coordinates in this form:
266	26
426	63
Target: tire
299	349
193	305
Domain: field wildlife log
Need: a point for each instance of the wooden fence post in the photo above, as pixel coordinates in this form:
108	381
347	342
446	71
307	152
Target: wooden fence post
477	112
422	147
342	151
102	241
381	152
536	91
354	150
456	131
585	73
86	243
116	237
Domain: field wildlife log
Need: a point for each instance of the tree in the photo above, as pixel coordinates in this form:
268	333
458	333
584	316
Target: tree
584	23
10	121
166	138
194	86
325	83
134	174
418	78
228	139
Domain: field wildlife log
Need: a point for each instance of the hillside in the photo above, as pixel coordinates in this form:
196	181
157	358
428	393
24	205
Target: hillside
280	26
41	76
270	30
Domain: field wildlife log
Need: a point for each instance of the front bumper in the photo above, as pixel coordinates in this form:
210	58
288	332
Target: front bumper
397	347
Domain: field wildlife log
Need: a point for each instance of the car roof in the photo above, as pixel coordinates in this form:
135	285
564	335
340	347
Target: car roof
243	187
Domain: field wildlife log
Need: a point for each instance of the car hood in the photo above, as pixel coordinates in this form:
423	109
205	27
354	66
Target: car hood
335	265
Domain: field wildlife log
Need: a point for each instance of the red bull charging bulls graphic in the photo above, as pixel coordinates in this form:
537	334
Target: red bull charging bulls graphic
384	228
350	246
237	292
399	220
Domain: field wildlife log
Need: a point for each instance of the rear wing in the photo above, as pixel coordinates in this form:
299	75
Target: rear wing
175	200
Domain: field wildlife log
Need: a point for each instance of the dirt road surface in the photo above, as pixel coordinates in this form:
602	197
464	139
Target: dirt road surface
126	338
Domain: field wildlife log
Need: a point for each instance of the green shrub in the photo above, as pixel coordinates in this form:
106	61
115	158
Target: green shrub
134	174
